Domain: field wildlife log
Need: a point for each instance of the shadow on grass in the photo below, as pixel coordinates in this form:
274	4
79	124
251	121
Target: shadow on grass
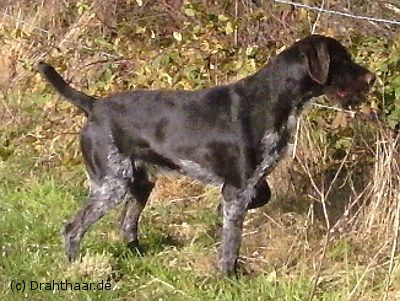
152	245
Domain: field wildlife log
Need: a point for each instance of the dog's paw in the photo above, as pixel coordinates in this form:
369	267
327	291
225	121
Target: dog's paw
135	246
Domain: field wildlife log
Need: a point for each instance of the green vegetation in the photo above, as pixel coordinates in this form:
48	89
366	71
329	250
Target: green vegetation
332	229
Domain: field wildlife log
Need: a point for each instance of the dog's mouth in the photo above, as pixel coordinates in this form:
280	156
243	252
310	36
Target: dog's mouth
352	94
348	98
342	94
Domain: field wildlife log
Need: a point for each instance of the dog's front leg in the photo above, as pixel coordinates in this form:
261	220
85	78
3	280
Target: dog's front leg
234	212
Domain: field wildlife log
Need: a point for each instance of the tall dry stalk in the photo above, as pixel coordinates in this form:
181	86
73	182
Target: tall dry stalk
381	214
371	212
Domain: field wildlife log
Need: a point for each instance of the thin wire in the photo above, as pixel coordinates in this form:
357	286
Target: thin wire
339	13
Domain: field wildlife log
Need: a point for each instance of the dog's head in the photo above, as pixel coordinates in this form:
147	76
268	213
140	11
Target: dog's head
331	68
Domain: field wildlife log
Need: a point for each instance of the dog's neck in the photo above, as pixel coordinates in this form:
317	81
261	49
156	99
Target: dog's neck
279	95
281	86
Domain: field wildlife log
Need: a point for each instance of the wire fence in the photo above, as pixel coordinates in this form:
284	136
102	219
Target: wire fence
338	13
319	9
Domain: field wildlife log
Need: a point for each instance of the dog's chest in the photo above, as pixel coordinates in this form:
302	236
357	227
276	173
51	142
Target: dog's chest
275	144
291	123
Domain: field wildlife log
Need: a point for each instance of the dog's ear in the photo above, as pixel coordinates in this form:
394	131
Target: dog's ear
318	60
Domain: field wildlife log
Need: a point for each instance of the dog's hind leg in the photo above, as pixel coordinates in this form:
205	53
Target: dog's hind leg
110	173
140	189
103	198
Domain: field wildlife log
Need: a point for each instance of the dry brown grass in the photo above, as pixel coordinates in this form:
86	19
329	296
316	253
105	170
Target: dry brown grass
365	215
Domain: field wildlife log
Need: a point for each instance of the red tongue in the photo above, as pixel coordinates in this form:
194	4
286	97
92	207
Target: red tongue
341	93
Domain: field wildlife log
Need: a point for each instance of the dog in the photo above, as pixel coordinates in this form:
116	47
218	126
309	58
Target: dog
232	135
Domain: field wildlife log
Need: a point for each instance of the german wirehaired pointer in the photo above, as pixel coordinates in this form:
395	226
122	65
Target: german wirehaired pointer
232	135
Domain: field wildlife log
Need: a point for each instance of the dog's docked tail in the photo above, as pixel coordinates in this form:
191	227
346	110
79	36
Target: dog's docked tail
80	99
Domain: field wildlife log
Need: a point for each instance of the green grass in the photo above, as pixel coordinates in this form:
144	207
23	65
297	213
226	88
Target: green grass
175	265
34	210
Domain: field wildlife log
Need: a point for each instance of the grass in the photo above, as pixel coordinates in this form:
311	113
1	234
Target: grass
33	213
179	238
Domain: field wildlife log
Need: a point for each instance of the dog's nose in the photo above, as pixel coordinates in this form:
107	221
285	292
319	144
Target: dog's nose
370	78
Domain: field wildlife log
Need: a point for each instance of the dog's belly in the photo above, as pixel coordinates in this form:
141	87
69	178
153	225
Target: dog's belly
198	172
162	164
187	168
